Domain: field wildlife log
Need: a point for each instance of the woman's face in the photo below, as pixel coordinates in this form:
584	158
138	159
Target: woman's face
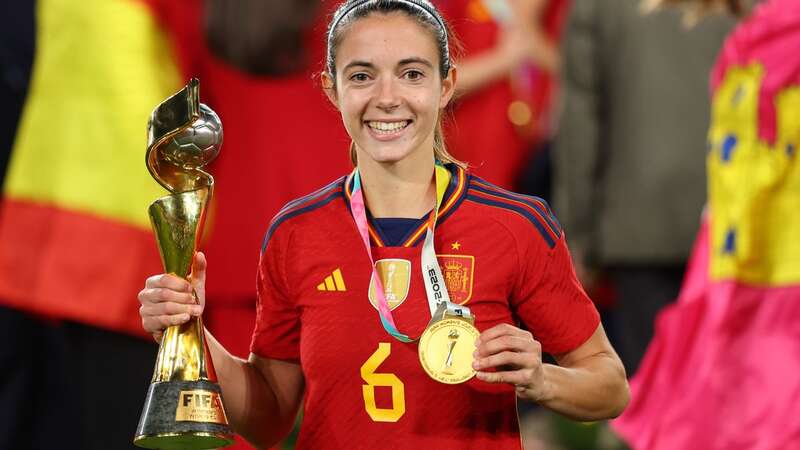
388	87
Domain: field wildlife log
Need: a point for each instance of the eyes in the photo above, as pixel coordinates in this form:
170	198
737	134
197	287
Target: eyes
412	75
359	77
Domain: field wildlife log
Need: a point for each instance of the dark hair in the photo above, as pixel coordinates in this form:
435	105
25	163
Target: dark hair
426	15
260	37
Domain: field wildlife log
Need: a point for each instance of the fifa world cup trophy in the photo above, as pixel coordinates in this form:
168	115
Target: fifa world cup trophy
183	408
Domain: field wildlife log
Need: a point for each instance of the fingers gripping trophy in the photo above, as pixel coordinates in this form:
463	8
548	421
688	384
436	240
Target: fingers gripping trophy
183	408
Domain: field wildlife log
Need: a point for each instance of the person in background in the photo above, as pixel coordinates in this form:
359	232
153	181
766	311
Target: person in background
729	347
506	85
629	152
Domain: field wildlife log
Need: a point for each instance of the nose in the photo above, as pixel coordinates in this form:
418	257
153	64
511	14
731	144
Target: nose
387	98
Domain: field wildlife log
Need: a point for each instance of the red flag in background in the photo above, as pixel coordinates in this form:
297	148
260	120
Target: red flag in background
75	239
723	371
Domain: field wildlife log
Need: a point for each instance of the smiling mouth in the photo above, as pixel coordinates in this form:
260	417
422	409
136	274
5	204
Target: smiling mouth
386	128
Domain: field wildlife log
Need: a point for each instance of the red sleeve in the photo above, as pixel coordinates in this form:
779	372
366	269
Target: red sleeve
550	301
277	330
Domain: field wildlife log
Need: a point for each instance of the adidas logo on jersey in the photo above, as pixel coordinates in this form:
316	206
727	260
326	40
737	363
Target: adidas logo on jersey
333	282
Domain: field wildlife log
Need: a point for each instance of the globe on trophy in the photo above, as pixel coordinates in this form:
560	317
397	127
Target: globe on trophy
183	409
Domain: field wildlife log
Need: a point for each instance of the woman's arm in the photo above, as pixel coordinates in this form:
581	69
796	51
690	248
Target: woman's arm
262	396
521	41
588	383
498	62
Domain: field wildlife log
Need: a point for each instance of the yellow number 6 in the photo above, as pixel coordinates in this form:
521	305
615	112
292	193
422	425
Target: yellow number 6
373	379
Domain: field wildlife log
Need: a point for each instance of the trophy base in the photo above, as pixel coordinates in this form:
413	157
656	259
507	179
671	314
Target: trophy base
183	415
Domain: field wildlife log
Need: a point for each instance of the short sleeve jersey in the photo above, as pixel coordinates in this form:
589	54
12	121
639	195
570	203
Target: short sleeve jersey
502	254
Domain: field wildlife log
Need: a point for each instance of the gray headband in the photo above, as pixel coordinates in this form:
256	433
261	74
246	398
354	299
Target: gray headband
419	6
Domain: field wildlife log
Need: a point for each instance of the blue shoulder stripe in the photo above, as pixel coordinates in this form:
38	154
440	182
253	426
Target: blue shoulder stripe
538	204
311	206
521	211
310	197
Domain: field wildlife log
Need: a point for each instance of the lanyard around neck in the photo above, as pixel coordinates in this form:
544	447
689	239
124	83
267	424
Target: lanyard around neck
435	288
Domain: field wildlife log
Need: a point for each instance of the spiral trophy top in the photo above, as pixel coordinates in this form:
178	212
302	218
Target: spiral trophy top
183	135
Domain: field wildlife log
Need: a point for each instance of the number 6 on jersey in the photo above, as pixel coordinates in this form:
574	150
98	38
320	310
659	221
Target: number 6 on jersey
373	379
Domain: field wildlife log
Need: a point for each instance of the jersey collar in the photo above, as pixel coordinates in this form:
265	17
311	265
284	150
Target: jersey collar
453	196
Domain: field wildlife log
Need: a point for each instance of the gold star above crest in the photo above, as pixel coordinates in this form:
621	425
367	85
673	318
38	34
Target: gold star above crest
455	246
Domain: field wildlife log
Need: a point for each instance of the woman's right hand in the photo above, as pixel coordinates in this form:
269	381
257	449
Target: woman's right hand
169	300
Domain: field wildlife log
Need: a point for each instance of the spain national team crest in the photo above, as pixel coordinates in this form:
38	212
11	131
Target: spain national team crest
458	272
395	276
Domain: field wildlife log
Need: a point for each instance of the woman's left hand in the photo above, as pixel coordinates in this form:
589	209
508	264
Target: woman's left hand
517	358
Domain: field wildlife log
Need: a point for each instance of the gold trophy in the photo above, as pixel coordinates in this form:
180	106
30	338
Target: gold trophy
183	409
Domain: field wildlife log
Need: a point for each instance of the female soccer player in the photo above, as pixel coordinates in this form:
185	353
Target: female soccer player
351	275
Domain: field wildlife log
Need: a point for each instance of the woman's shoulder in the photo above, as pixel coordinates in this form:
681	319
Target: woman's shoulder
523	215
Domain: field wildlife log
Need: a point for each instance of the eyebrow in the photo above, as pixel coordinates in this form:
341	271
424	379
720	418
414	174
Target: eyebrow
403	62
423	61
359	64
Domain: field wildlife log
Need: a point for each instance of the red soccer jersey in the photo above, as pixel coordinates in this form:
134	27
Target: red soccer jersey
501	254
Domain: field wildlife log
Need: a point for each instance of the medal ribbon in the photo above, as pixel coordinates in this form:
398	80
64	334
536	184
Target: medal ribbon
435	288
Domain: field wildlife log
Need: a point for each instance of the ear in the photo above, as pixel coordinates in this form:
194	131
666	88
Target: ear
329	87
448	87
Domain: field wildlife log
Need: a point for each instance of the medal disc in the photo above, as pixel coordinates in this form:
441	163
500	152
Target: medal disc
446	348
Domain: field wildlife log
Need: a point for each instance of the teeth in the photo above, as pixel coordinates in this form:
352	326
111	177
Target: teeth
388	126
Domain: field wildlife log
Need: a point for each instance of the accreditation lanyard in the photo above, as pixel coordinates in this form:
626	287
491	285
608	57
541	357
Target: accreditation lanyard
435	288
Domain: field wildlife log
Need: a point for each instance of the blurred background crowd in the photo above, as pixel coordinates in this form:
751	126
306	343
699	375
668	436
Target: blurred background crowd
602	107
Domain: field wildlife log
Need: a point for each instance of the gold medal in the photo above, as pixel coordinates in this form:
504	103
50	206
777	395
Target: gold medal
446	348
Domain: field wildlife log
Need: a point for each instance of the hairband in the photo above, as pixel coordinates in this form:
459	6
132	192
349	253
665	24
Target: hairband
356	4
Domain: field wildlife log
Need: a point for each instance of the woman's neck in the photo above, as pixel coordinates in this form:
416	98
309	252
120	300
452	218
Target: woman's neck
401	189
